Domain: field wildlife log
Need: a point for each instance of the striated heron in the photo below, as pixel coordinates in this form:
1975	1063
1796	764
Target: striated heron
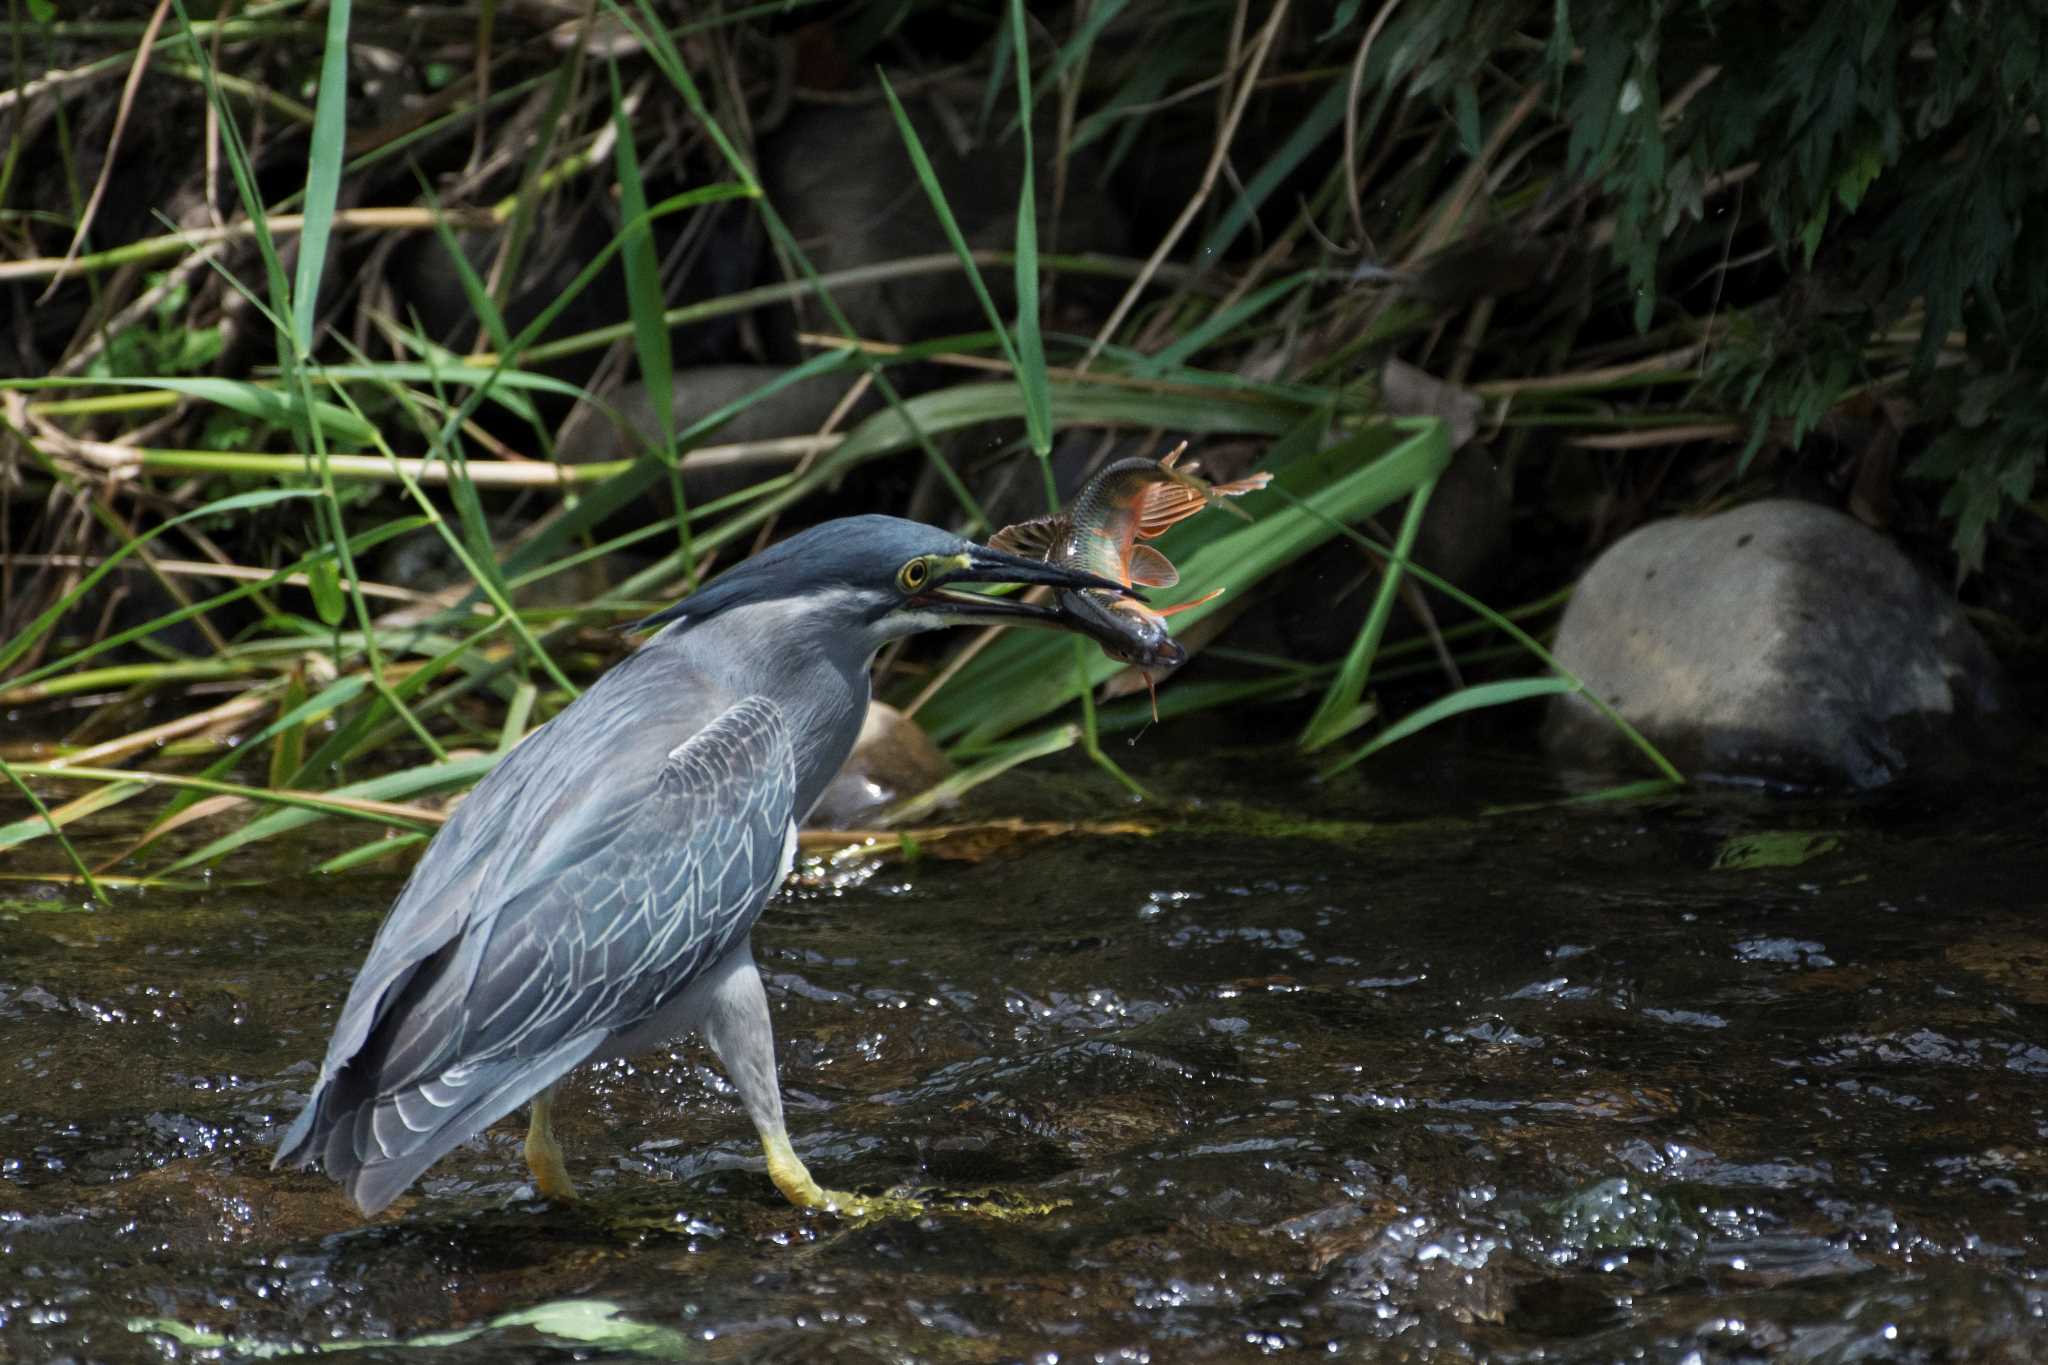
593	896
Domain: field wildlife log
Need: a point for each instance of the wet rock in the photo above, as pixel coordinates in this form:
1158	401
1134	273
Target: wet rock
893	758
1782	642
843	182
1436	1272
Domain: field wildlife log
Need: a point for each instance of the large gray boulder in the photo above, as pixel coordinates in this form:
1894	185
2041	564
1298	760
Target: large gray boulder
1781	642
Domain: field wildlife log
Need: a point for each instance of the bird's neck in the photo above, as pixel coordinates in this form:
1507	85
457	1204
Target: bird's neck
819	680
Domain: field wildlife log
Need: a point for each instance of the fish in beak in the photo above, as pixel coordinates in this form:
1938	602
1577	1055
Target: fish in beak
981	564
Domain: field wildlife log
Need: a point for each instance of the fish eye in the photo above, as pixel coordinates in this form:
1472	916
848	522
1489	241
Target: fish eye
914	575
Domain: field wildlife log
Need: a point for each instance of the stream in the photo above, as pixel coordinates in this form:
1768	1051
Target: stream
1427	1063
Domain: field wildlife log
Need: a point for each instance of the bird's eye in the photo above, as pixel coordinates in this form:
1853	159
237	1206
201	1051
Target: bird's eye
914	575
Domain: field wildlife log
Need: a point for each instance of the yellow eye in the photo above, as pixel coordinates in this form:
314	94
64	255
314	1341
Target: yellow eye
914	575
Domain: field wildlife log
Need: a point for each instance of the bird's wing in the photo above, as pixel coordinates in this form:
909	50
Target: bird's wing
626	890
582	773
645	900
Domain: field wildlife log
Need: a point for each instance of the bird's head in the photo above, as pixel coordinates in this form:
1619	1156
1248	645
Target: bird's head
882	578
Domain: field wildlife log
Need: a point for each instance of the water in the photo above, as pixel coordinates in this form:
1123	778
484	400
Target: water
1358	1070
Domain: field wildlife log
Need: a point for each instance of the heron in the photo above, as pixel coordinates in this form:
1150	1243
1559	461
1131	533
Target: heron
595	895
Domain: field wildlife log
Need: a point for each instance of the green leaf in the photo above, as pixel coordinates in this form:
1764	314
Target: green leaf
251	400
1774	848
1030	348
323	175
330	604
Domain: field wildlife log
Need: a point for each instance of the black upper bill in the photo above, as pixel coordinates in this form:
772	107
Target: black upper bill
985	565
999	566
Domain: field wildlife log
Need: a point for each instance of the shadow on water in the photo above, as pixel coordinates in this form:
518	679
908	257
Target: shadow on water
1358	1069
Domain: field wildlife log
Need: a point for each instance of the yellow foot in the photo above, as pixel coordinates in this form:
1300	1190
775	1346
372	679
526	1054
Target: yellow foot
790	1175
794	1180
544	1154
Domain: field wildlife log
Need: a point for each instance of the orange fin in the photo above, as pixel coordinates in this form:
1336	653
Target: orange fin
1032	539
1166	460
1168	503
1182	495
1208	596
1151	569
1237	487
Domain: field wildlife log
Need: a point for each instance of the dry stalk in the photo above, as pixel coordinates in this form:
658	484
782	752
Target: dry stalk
126	107
1217	156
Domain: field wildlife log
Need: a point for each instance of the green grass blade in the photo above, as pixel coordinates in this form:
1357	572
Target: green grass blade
928	177
1340	712
645	299
1196	339
256	401
237	502
1023	675
1315	126
49	821
323	175
1029	353
1650	752
371	852
303	809
1041	745
1475	698
362	543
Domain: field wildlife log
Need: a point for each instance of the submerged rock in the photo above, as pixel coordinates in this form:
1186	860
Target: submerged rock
893	758
1781	642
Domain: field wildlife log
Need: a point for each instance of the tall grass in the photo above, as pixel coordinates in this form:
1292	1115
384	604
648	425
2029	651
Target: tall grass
353	427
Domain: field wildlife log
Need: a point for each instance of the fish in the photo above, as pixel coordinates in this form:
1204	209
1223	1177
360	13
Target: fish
1127	503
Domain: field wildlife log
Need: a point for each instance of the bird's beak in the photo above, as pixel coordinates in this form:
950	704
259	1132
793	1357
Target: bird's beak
983	565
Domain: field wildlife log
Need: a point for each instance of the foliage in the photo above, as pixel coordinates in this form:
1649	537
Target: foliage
1610	225
1897	154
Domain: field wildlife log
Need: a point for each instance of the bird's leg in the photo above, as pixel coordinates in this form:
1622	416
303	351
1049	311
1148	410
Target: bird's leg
543	1153
738	1028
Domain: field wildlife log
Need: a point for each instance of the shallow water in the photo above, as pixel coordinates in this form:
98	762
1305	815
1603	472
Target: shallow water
1358	1069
